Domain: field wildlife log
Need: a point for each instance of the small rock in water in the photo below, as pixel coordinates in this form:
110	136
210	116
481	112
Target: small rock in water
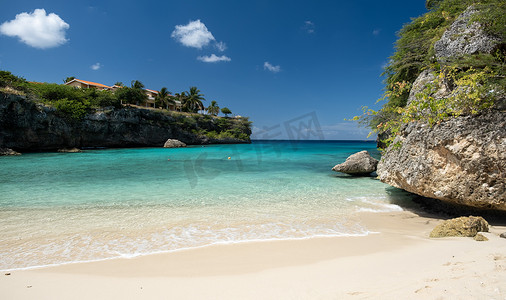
503	235
171	143
7	274
480	237
69	150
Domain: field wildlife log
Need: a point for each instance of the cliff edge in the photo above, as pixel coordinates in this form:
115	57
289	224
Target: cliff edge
26	125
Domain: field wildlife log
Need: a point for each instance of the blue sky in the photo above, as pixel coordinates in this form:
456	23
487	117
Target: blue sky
278	62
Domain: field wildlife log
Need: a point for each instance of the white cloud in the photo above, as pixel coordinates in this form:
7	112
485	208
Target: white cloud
96	66
37	29
213	58
195	34
308	27
273	69
221	46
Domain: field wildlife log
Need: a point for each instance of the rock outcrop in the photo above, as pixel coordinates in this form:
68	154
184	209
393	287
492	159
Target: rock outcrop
462	160
463	226
28	126
171	143
360	163
465	37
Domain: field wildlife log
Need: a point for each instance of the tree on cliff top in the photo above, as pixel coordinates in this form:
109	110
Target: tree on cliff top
193	100
132	95
415	52
164	97
213	108
226	111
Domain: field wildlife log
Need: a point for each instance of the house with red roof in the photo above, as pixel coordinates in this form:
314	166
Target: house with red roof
87	84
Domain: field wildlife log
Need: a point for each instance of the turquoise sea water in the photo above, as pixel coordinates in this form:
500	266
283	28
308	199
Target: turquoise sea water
66	207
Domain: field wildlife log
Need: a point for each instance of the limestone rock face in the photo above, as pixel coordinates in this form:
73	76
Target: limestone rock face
463	226
171	143
462	160
360	163
464	37
425	78
28	126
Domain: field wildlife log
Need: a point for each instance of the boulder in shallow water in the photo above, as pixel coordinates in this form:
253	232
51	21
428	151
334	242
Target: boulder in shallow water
172	143
360	163
463	226
8	152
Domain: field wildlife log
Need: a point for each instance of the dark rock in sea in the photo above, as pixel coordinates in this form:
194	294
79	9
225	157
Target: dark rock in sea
463	226
171	143
503	235
69	150
480	237
359	164
465	37
8	152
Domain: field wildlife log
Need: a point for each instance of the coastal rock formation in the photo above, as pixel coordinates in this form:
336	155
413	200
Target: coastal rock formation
360	163
8	152
171	143
26	125
463	226
462	160
464	37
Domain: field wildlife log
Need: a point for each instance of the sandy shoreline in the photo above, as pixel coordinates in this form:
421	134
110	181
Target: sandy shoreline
398	261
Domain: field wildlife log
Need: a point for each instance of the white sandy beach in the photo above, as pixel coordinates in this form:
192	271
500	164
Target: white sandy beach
399	261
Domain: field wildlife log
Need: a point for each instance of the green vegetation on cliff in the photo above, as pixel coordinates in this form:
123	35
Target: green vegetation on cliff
74	104
472	81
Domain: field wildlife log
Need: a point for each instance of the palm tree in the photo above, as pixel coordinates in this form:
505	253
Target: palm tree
164	97
193	101
136	84
213	108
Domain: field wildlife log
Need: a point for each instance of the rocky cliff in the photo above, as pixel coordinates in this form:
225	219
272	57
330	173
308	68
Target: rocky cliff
26	125
459	159
462	160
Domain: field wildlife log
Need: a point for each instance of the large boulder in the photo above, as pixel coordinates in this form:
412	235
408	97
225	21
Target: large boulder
465	37
171	143
461	161
463	226
361	163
